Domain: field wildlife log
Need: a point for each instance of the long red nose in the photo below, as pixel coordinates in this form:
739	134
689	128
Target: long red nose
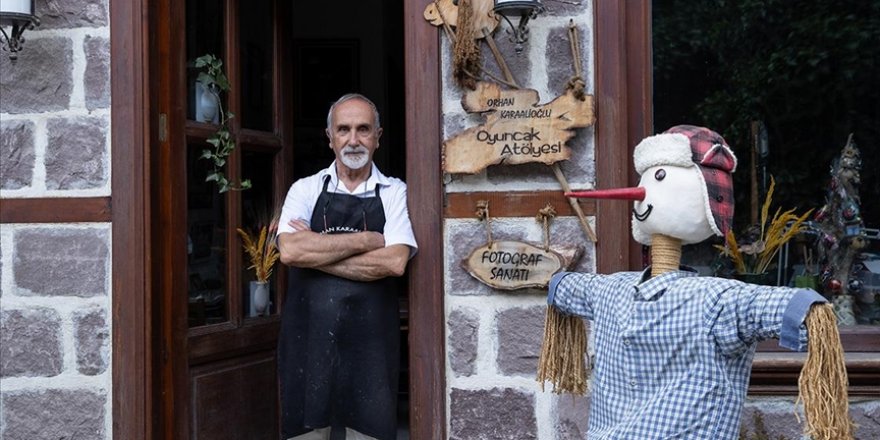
633	193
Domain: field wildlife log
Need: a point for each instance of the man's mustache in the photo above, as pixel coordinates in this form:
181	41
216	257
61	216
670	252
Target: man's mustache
355	149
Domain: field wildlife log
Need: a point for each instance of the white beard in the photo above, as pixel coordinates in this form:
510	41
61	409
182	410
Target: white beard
355	158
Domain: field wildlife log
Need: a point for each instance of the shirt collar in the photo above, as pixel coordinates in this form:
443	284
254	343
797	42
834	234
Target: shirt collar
649	288
376	177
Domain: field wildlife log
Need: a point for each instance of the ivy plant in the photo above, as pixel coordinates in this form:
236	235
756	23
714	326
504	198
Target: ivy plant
214	81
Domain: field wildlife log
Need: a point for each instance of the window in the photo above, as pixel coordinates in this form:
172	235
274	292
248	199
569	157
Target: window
786	84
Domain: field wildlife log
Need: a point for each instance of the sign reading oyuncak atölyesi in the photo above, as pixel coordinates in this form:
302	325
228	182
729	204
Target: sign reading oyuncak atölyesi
517	130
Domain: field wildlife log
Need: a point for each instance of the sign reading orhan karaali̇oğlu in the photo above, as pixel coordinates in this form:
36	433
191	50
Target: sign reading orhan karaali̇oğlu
511	265
517	129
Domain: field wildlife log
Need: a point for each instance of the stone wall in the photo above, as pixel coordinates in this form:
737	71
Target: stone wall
493	337
55	371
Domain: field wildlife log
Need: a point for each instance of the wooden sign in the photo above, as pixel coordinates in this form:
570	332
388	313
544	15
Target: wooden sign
517	129
511	265
484	16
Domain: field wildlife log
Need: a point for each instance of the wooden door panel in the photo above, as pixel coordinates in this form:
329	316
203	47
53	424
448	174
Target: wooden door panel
235	399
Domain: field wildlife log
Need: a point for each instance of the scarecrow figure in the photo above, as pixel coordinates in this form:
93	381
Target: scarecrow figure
673	350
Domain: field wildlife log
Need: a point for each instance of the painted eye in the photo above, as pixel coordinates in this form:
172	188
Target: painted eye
660	174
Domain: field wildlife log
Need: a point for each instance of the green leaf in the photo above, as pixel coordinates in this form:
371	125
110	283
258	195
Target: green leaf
246	184
206	154
213	177
214	141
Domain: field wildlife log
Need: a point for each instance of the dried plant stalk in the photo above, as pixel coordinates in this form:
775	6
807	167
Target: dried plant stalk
262	253
563	353
823	382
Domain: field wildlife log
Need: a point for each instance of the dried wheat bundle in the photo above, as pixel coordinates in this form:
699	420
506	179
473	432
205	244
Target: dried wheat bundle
563	360
823	382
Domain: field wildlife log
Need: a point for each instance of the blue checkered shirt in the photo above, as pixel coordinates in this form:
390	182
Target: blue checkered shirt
674	352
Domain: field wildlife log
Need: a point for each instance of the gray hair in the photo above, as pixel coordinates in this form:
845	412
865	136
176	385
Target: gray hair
349	97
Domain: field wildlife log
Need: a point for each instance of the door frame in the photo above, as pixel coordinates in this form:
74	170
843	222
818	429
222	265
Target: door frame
135	134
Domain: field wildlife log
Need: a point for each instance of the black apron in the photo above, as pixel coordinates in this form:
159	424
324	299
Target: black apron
339	346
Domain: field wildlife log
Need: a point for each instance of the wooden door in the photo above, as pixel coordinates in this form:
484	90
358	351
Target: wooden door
216	366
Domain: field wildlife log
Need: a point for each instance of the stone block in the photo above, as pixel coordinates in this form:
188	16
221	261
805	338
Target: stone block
92	342
771	422
75	153
16	154
65	14
53	415
572	414
41	80
64	261
519	63
867	419
464	326
463	238
563	8
30	343
579	168
97	74
494	414
520	332
560	67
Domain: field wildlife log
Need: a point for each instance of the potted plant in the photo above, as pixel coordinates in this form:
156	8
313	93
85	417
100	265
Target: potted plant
213	81
752	257
263	255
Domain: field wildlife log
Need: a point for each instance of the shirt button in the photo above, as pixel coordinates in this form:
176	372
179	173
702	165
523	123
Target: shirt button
632	383
626	341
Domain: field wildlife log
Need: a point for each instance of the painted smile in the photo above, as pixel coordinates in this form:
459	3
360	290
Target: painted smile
643	216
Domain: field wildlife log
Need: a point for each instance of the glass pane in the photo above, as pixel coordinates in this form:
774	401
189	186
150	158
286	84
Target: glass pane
256	48
206	243
786	84
204	35
257	212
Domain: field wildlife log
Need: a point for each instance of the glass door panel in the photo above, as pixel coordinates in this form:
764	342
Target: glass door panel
258	210
204	35
206	243
256	48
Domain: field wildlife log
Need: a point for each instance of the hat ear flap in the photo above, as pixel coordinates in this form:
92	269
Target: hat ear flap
719	157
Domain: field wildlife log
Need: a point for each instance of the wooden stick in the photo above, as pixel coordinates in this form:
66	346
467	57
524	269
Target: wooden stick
490	40
574	203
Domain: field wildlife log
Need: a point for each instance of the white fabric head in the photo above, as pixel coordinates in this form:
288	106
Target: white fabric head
674	205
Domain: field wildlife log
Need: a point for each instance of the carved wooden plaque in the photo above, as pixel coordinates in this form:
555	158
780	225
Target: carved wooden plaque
517	129
511	265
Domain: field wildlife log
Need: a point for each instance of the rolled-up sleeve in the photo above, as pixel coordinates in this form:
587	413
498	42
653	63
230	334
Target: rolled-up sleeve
793	334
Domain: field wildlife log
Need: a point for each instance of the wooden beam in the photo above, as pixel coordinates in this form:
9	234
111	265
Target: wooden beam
132	352
427	356
56	210
512	204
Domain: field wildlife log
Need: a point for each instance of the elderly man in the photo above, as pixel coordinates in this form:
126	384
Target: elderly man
345	232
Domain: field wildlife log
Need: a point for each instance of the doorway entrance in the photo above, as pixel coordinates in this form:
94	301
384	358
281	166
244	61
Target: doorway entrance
214	364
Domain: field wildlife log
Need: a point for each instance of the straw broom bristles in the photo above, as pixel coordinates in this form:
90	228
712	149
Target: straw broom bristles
563	360
823	382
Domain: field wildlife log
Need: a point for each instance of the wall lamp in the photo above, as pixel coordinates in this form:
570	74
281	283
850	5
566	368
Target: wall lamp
18	15
525	10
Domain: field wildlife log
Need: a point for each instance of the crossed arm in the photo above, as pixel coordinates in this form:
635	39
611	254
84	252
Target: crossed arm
360	256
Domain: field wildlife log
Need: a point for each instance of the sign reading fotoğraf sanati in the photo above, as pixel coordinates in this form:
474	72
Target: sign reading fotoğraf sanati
513	265
517	129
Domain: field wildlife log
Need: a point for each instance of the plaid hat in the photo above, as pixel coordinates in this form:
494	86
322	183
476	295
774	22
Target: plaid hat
688	146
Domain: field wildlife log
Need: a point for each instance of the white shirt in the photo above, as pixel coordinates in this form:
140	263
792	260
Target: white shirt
301	198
